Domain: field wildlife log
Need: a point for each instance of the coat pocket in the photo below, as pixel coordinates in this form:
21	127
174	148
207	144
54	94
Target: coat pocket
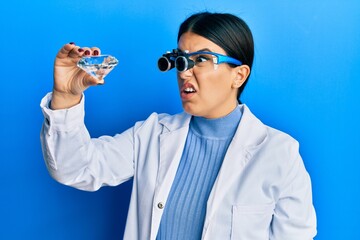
251	222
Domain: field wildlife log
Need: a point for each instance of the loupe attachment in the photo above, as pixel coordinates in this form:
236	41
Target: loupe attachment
184	63
167	61
165	64
177	59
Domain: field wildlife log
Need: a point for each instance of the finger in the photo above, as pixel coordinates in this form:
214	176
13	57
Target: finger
66	49
76	52
101	82
87	51
92	81
95	51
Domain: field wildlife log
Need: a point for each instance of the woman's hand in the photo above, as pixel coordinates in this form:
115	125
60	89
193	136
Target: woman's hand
69	80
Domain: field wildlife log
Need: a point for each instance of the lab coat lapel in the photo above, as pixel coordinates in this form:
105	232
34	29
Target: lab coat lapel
246	141
171	148
172	142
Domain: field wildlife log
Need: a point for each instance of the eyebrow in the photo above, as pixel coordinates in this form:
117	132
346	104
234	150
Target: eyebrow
200	50
204	50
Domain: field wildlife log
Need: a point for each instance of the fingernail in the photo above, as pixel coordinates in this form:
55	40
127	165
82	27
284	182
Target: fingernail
80	50
72	43
96	52
87	52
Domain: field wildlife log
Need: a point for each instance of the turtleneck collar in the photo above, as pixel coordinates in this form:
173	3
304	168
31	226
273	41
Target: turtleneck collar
217	128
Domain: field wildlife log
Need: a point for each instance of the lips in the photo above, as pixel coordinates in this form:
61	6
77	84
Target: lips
187	88
187	91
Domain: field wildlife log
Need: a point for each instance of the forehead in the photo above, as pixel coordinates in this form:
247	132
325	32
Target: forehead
194	42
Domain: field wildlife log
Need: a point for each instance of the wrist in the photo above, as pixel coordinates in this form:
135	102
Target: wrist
61	100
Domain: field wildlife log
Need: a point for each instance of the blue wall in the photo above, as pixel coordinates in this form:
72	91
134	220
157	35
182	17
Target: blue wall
304	81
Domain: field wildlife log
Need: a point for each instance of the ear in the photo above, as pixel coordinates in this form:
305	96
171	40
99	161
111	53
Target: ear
241	73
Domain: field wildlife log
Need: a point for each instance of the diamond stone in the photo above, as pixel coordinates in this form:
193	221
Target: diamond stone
98	66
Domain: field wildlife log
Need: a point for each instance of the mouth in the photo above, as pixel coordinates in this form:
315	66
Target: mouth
187	92
188	88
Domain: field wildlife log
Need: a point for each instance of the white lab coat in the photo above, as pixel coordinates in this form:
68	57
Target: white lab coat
263	190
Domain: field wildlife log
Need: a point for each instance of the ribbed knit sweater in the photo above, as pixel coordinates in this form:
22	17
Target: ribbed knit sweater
206	144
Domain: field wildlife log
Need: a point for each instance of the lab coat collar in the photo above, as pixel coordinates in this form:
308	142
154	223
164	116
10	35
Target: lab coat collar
250	132
172	123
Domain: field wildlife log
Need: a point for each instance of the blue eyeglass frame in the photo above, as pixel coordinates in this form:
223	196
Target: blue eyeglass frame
220	57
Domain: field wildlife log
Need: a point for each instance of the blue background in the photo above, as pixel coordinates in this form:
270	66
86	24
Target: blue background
304	81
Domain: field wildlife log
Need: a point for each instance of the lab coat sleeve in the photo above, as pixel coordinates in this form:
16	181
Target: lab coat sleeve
294	216
75	159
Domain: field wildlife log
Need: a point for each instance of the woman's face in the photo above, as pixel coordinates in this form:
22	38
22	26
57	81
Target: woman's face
211	93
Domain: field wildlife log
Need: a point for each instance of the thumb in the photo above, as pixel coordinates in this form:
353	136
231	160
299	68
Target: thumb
92	80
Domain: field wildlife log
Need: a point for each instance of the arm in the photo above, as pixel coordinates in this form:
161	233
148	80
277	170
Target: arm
74	159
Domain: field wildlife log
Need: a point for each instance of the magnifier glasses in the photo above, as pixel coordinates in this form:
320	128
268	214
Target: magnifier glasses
177	59
184	61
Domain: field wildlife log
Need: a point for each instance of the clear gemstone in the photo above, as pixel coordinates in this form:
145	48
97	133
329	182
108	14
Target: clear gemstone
98	66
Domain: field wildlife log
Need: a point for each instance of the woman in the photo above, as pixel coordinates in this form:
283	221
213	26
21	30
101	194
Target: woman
212	172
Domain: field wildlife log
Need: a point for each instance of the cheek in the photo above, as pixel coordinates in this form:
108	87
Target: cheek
214	86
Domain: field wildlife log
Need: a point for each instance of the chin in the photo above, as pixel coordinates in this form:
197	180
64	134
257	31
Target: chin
190	109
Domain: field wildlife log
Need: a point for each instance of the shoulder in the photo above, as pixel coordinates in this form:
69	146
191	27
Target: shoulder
273	142
284	148
275	151
272	134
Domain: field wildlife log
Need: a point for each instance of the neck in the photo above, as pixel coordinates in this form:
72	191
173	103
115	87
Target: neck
221	127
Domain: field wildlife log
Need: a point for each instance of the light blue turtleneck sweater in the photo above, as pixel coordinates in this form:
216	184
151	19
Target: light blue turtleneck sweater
206	144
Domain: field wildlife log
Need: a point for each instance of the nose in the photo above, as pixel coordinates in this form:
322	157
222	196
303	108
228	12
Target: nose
186	74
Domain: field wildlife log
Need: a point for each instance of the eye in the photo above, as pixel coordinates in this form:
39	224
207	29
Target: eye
201	58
